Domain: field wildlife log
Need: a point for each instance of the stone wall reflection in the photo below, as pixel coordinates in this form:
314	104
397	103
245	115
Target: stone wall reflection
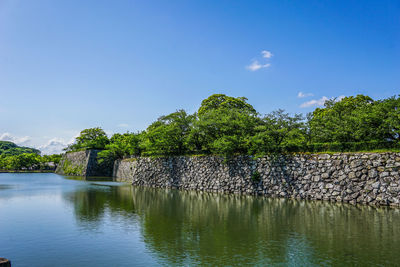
92	203
216	229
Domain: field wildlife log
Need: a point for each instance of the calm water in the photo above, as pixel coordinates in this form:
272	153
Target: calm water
48	220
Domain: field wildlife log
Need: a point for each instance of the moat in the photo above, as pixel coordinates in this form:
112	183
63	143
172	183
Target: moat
53	220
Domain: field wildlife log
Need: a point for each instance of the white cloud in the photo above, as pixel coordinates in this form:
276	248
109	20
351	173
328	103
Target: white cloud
340	98
256	66
302	95
314	102
266	54
52	146
55	146
123	125
17	140
319	102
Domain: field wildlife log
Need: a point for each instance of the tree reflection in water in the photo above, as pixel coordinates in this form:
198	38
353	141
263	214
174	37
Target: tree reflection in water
214	229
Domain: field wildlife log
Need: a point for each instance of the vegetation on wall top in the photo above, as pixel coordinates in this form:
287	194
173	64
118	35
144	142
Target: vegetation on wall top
226	125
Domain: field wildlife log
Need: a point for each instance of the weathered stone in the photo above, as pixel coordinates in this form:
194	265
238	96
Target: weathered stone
384	174
333	178
355	163
376	185
380	169
325	175
329	186
316	178
372	173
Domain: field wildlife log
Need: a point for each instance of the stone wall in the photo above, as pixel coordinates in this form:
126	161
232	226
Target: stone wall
368	178
83	163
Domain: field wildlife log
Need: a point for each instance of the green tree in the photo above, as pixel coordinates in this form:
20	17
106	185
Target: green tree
167	135
277	130
12	162
283	128
28	161
387	113
223	102
93	138
347	120
223	126
121	145
9	148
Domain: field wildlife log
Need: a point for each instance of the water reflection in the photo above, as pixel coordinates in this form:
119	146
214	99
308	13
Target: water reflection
90	178
212	229
92	203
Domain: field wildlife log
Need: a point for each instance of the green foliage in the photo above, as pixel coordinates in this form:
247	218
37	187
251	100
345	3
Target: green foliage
168	135
386	114
70	169
228	126
121	145
221	102
223	126
9	148
356	119
93	138
28	161
347	120
223	131
51	158
277	129
13	157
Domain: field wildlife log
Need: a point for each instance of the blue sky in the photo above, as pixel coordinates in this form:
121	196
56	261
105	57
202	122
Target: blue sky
70	65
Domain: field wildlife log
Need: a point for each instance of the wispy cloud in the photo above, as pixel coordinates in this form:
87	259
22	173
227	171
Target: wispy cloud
314	102
54	146
256	65
319	102
51	146
266	54
123	125
15	139
303	95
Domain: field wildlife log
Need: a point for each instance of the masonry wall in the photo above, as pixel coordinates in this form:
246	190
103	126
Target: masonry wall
368	178
83	163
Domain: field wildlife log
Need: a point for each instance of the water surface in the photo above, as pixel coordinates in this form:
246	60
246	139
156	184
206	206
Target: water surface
50	220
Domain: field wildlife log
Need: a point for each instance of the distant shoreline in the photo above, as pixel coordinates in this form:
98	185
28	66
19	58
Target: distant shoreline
26	171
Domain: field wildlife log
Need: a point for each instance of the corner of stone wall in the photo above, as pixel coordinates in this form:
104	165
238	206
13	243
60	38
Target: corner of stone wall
83	163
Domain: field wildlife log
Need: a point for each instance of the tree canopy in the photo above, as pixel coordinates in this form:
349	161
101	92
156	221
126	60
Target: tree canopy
92	138
225	125
28	161
223	102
